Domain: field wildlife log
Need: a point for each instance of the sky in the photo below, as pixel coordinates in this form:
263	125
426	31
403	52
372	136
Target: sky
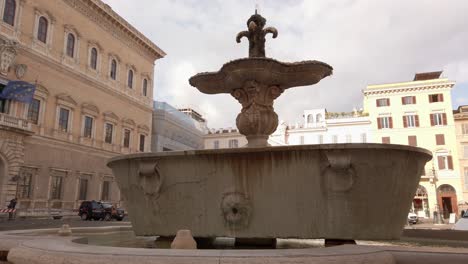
365	41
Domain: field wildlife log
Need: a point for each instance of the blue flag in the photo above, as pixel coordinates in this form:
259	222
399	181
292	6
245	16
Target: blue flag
19	91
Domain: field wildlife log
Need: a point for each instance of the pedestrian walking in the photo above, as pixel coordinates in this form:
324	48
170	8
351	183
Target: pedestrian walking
12	205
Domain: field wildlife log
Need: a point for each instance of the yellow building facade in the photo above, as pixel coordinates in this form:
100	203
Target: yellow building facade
93	73
419	113
461	128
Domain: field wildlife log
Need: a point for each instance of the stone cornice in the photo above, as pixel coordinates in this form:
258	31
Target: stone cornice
416	88
83	77
105	17
66	145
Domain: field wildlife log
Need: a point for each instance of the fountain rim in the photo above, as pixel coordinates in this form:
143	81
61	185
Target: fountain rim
226	151
296	63
268	64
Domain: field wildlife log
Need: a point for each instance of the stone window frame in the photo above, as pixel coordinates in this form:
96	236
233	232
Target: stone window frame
35	174
146	76
131	68
448	159
143	130
39	45
83	175
92	111
16	27
29	110
109	178
67	173
113	56
66	102
69	29
110	118
40	94
15	13
99	49
129	124
233	143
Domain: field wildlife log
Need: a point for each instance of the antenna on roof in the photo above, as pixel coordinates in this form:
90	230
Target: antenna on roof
256	8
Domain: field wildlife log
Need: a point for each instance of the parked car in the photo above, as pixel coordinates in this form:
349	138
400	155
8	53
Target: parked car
113	213
413	218
91	210
462	223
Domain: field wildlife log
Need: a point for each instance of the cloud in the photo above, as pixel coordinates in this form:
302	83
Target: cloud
366	41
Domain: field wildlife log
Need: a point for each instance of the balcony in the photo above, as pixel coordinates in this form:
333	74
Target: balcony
16	124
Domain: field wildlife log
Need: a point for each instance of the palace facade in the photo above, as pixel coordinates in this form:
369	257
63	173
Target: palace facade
419	113
93	73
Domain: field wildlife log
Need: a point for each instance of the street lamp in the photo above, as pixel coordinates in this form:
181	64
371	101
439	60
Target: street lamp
438	219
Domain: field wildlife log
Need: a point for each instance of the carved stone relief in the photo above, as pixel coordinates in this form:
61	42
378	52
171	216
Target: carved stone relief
150	178
236	210
20	70
7	55
339	174
257	119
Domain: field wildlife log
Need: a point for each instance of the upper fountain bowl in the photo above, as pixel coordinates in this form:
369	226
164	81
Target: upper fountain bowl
270	72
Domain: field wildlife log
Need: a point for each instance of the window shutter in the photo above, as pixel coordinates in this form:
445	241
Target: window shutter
377	102
412	141
450	162
441	97
379	123
430	99
390	122
432	120
403	100
441	163
416	120
405	121
414	99
444	119
440	139
388	102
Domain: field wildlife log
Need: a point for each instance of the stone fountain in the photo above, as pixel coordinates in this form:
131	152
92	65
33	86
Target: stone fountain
336	192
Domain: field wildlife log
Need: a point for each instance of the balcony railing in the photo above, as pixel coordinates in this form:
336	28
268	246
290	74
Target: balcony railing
14	122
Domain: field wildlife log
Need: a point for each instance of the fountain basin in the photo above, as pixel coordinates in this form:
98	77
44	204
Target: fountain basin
336	191
269	72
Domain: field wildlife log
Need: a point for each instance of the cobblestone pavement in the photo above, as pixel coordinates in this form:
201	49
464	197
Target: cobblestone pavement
36	223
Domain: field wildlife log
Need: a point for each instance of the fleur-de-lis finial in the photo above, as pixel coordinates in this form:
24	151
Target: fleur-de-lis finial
256	35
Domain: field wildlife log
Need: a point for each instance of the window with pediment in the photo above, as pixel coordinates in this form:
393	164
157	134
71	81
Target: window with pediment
130	79
71	45
9	12
42	29
93	58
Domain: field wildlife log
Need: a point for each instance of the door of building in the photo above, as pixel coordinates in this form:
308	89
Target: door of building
447	207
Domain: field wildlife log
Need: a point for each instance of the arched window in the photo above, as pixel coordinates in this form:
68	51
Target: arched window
318	118
310	119
93	59
42	29
9	12
130	79
421	192
145	87
113	70
70	45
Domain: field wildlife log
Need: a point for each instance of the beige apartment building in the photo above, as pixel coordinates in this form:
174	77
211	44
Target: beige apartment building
94	76
461	127
419	113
